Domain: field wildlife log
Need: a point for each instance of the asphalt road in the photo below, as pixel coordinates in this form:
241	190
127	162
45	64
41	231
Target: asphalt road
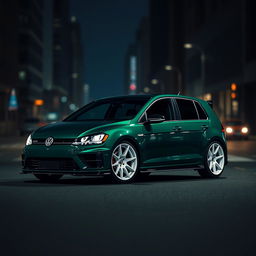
168	213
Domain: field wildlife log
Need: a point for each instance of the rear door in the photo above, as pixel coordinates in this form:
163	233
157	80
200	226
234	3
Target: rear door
193	126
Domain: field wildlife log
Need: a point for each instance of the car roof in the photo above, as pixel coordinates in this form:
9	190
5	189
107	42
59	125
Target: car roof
147	97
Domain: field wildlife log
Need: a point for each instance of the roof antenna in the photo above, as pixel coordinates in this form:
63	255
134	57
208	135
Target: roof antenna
178	93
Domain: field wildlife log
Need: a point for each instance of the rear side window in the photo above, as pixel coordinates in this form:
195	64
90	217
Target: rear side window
201	112
187	109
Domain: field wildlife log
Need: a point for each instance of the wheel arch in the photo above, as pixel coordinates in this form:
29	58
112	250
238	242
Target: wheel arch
132	141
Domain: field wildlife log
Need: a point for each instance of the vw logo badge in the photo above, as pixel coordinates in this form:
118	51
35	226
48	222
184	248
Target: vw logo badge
48	141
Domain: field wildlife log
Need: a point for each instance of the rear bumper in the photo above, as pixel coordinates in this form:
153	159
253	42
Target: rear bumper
65	159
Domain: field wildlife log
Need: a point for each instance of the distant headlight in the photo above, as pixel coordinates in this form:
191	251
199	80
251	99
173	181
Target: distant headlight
229	130
29	140
244	130
91	140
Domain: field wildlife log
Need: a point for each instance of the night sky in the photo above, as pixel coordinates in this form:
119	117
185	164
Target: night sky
108	27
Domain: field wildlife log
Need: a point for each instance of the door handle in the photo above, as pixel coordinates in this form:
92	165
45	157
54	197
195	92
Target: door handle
204	127
177	128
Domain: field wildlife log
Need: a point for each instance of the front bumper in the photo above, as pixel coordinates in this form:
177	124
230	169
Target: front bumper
66	159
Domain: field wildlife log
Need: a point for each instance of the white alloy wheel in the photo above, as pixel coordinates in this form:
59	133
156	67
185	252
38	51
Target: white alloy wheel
124	162
215	158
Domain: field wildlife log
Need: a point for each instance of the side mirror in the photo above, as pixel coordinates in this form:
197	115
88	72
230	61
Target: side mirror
155	119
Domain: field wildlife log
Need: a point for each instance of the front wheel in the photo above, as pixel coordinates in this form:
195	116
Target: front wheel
48	177
124	162
214	161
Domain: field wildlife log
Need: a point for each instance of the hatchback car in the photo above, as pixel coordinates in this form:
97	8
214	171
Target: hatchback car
129	136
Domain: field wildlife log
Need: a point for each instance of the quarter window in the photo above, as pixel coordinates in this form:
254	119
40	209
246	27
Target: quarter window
187	109
200	111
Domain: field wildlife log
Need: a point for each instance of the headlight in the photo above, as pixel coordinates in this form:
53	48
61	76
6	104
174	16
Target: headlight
29	140
229	130
92	140
244	130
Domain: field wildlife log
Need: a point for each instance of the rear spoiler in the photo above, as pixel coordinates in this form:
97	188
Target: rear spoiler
210	103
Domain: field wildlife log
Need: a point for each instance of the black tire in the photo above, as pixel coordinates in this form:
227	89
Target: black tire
206	172
48	177
134	174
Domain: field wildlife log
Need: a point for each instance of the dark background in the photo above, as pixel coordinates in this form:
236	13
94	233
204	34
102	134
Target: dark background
57	55
67	53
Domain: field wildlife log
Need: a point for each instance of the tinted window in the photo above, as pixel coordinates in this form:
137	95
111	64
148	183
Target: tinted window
161	107
200	111
98	112
187	109
108	110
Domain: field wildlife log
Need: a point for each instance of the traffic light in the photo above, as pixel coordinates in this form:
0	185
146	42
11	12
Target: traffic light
233	91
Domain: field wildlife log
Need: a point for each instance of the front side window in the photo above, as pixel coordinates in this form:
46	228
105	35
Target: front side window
161	107
187	109
113	110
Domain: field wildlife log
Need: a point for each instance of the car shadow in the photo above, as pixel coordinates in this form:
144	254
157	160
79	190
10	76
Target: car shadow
92	181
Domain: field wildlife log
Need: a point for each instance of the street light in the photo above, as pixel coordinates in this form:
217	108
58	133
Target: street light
170	68
155	81
202	53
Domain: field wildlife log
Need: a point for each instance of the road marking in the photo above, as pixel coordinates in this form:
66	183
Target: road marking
233	158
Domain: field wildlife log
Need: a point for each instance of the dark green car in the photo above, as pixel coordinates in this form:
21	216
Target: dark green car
129	136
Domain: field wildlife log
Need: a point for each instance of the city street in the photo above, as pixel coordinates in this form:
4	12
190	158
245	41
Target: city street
167	213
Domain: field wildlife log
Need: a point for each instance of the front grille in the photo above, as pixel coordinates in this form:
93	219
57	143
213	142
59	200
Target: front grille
50	164
55	141
92	160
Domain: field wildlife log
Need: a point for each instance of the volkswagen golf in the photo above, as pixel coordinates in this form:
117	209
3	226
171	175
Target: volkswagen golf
125	137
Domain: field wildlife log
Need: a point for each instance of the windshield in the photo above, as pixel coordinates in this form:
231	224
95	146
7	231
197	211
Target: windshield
108	110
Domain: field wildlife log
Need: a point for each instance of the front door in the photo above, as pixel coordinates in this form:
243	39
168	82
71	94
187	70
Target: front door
161	141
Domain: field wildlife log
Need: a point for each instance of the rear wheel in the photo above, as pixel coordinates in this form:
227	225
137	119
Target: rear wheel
214	161
124	162
48	177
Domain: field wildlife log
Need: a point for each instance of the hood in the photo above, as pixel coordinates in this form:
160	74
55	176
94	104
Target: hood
67	129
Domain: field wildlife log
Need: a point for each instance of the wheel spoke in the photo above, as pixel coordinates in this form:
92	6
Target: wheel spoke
115	164
130	159
115	156
126	150
120	150
129	168
214	166
126	172
217	149
121	173
217	164
210	167
117	170
218	157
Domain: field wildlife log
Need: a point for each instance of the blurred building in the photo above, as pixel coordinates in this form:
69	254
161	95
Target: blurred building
159	48
61	57
76	90
9	64
166	18
221	63
21	56
30	56
143	56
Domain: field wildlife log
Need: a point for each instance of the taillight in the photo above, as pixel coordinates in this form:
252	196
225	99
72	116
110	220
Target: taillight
222	128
